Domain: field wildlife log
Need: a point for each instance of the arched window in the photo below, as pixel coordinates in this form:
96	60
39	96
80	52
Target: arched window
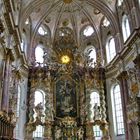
91	52
39	98
110	49
39	53
88	31
120	2
125	27
23	44
95	99
106	22
117	110
42	31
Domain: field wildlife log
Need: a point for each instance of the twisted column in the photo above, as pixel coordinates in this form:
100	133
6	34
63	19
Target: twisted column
48	109
104	124
31	102
103	103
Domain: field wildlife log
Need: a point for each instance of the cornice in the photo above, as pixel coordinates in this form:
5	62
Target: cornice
8	22
128	46
132	38
7	5
17	35
24	70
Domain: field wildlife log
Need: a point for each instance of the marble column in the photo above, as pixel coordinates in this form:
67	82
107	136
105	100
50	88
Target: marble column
122	77
6	81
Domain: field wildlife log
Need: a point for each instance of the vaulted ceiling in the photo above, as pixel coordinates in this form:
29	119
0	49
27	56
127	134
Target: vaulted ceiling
71	13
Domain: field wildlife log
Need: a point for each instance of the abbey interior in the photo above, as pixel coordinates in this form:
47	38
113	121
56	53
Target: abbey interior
70	69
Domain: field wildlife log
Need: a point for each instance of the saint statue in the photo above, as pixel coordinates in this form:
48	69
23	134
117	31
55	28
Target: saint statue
39	110
97	112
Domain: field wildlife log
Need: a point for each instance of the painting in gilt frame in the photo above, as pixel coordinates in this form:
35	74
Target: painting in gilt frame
66	104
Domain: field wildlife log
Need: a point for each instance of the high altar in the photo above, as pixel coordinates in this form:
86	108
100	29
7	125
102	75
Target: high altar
66	81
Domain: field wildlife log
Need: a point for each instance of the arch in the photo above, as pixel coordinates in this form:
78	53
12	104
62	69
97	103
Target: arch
44	30
91	52
105	22
125	27
95	100
39	97
39	100
24	43
102	6
119	2
110	49
39	53
88	31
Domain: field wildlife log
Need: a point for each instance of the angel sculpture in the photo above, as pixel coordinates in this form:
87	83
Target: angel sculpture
39	111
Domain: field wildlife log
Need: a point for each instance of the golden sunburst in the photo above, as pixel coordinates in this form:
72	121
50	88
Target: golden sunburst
65	59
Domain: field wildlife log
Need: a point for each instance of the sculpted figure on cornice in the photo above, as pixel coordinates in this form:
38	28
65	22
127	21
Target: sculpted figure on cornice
133	83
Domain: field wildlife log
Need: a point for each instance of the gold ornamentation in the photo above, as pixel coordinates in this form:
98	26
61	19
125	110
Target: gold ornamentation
67	1
65	22
65	59
134	88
